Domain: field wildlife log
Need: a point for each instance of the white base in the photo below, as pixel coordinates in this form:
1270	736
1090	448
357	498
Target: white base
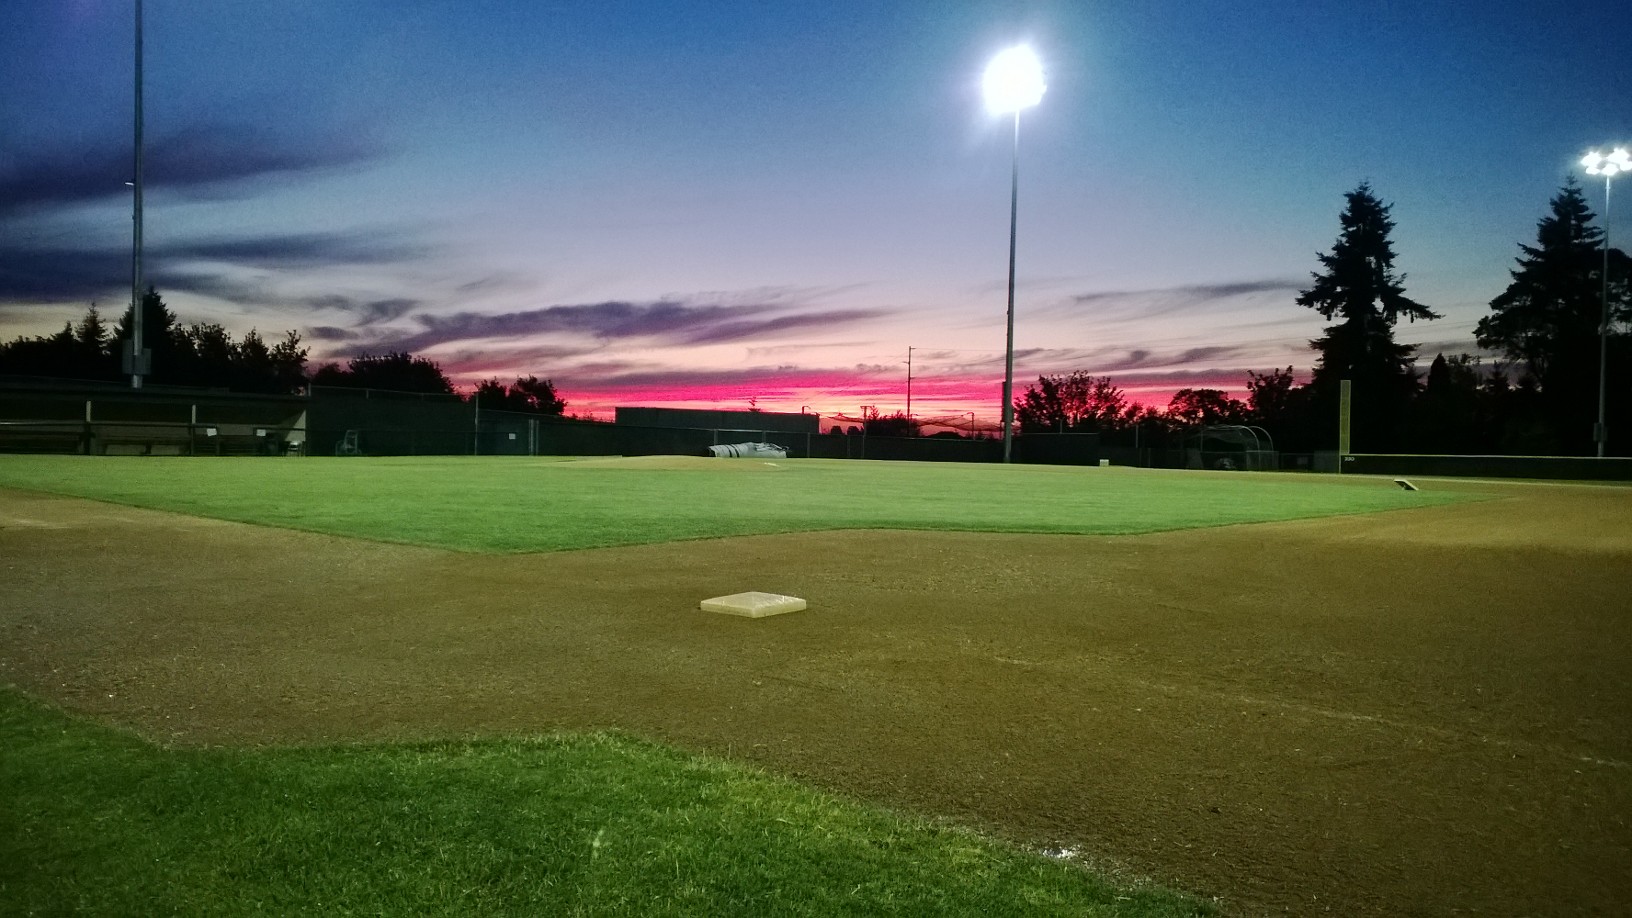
753	604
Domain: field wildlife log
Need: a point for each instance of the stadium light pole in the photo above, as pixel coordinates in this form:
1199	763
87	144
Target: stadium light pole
137	369
1608	166
1013	81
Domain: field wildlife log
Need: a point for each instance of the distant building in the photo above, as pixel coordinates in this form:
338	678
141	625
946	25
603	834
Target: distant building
700	419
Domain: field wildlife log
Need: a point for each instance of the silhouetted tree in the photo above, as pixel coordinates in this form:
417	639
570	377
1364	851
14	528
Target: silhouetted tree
76	352
890	425
97	361
1204	407
289	363
531	395
39	356
202	354
1452	414
493	395
1548	318
251	362
541	395
395	371
1076	402
1360	289
1280	406
160	336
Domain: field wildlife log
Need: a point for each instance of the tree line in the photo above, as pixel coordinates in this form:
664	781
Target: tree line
200	354
205	355
1539	397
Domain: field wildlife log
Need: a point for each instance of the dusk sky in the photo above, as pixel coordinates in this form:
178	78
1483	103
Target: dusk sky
698	204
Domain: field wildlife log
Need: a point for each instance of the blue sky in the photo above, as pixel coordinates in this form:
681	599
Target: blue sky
706	203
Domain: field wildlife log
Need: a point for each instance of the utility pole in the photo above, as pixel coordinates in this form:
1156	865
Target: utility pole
909	382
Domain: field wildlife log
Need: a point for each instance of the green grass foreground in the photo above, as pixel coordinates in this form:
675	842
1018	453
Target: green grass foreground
500	504
100	822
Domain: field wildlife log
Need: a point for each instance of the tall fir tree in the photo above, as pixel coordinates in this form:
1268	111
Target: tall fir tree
161	336
1361	290
1548	317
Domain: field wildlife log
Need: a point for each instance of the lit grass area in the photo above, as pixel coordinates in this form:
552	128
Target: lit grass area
98	822
520	504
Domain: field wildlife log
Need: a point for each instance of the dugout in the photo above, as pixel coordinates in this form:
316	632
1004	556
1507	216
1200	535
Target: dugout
95	418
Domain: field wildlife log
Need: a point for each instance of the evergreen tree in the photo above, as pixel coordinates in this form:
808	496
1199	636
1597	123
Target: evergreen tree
92	332
96	359
1548	317
1361	290
160	336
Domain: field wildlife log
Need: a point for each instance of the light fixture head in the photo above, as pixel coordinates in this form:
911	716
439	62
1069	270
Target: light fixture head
1615	162
1014	80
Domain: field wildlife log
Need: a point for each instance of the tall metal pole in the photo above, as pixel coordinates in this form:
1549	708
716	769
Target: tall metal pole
909	382
1008	353
136	367
1602	430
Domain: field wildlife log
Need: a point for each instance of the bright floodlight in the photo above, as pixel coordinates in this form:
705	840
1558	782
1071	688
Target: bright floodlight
1014	80
1599	164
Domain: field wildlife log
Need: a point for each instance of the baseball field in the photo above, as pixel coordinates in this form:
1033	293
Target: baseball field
484	686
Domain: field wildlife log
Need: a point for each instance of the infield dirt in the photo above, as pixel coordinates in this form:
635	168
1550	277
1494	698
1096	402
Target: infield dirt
1416	712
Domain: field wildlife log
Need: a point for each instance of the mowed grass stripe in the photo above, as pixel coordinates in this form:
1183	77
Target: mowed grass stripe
101	823
493	504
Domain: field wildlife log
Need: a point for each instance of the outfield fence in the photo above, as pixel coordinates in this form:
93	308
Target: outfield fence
1570	468
64	416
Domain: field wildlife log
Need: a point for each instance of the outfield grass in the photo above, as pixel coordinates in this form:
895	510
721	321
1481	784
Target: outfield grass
99	822
521	505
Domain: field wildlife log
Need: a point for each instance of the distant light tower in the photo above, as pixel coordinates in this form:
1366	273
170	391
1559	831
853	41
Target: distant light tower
1013	81
1607	166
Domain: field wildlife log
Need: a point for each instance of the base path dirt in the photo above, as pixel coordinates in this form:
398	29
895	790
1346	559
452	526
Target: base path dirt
1419	712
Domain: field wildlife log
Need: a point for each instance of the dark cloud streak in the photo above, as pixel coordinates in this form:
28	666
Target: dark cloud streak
68	274
197	159
1195	292
671	321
